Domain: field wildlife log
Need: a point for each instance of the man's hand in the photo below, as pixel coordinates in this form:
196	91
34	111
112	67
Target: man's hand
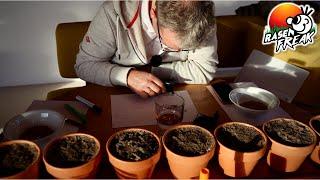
145	84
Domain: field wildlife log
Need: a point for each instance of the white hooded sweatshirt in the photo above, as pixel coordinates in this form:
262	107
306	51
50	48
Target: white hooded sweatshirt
114	44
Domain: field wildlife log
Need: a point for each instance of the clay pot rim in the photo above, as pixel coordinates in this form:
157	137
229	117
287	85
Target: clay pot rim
287	146
68	135
22	142
128	130
243	124
315	118
213	145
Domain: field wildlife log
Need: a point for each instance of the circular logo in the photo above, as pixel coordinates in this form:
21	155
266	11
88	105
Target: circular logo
278	16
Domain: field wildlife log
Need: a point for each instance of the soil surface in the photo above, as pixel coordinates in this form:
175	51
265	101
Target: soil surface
240	138
316	125
15	158
189	141
134	145
36	132
256	105
72	151
289	133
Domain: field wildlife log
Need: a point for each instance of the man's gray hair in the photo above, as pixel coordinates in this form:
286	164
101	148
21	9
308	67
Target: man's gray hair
193	21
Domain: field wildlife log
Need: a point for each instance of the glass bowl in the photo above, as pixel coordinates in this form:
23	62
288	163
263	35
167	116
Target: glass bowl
253	100
39	126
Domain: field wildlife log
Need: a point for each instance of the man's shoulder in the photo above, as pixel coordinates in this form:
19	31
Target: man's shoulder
122	8
108	6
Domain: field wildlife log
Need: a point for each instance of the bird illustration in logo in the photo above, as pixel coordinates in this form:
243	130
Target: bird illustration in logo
289	26
302	23
290	15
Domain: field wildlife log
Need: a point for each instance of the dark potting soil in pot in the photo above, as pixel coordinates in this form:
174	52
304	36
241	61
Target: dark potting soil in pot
72	151
290	133
240	137
133	145
316	125
15	158
188	141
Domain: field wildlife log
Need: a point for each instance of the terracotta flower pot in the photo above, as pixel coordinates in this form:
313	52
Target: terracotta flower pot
236	163
32	171
86	170
315	155
134	169
286	158
183	167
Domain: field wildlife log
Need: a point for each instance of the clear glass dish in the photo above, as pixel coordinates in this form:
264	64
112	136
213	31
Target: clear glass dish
39	126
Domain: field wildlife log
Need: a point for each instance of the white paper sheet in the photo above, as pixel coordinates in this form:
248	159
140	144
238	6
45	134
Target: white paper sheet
273	74
129	110
236	115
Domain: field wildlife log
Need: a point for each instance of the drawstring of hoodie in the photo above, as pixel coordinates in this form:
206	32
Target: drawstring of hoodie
133	20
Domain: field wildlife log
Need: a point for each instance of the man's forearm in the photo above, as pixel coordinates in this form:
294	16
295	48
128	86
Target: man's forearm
101	72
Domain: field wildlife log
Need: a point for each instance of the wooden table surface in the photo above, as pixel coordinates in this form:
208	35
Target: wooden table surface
100	126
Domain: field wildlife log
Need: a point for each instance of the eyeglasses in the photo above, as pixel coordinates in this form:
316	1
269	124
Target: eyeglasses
163	46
